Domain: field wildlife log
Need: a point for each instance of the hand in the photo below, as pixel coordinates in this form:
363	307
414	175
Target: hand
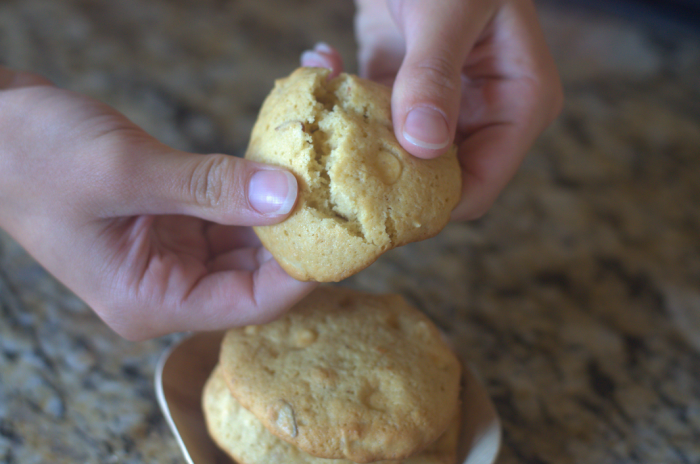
148	236
474	72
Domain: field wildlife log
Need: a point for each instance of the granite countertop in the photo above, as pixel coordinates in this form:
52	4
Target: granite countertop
577	298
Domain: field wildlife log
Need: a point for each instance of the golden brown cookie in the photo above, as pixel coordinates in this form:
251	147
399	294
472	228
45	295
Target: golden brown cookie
360	192
243	437
346	375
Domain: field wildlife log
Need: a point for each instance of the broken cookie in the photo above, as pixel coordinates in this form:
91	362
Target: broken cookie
360	193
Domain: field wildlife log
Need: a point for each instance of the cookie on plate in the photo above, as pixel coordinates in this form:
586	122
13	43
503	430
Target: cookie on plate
360	192
346	375
243	437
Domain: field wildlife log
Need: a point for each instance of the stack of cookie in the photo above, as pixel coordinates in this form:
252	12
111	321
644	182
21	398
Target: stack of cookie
344	377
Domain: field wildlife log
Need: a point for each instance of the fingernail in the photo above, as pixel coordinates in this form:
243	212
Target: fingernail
323	47
313	60
426	128
272	192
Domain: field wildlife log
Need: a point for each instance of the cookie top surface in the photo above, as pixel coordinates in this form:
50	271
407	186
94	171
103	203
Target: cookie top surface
243	437
360	192
346	375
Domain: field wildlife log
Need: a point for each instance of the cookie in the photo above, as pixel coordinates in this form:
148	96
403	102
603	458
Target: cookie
346	375
360	192
243	437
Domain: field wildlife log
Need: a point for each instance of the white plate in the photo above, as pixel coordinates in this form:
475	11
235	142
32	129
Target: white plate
183	369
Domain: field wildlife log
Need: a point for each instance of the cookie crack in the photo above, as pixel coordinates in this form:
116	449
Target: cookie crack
325	94
390	227
320	196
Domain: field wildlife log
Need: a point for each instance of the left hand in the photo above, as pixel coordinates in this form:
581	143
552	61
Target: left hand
154	239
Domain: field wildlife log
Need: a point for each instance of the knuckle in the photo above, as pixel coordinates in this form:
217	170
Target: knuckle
557	103
28	79
124	323
548	87
206	185
439	72
478	211
546	97
132	334
474	211
474	206
17	79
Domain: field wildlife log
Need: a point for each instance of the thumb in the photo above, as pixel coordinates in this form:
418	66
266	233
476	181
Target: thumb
218	188
426	93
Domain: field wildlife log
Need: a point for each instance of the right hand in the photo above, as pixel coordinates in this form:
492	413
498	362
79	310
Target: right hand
477	73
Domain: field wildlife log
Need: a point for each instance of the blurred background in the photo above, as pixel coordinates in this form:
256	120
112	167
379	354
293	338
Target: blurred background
576	298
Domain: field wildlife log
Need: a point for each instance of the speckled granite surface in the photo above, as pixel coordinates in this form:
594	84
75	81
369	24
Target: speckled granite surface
577	297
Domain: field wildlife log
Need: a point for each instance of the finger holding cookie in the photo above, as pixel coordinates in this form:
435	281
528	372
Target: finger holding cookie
477	73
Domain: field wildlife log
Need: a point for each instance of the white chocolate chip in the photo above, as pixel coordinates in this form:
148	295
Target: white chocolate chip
282	415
